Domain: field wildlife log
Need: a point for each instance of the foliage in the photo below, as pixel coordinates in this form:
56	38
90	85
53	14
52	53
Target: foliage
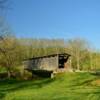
15	50
10	53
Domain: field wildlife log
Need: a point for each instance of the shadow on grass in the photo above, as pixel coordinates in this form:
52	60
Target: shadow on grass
84	80
95	73
2	95
13	85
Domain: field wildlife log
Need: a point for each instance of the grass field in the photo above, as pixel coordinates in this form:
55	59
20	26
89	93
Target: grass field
68	86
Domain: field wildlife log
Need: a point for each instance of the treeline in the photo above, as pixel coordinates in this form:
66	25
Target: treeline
82	56
14	50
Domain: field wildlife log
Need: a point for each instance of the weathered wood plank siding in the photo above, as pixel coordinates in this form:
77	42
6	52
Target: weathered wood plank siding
47	63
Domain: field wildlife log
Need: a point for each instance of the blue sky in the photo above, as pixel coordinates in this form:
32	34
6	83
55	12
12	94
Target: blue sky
56	19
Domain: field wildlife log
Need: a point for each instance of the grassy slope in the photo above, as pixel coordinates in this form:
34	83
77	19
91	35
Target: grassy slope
69	86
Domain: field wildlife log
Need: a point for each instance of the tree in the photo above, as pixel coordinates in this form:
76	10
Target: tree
10	54
10	49
77	48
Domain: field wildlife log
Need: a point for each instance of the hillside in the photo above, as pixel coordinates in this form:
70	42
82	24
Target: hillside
68	86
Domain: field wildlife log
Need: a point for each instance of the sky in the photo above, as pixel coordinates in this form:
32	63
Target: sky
63	19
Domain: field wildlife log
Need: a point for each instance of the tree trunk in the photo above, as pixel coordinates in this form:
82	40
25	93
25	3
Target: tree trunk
91	64
78	65
78	61
70	60
9	74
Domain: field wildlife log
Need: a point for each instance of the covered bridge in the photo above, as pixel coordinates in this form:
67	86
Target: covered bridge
52	62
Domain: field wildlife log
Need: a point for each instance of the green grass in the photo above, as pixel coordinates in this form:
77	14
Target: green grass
68	86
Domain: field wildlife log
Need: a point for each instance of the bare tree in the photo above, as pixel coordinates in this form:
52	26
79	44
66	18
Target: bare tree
76	47
7	45
10	54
